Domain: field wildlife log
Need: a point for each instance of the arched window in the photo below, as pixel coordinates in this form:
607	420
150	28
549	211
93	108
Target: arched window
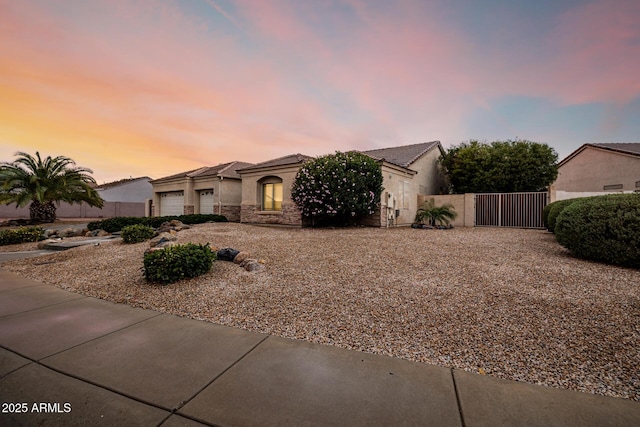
271	190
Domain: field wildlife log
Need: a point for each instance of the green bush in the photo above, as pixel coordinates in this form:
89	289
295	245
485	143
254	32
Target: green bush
202	218
118	223
554	210
137	233
114	224
338	188
20	235
602	228
178	262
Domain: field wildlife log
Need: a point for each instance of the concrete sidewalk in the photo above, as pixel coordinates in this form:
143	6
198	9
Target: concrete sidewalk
75	360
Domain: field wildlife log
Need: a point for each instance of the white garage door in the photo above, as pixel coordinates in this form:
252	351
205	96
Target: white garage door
206	202
172	203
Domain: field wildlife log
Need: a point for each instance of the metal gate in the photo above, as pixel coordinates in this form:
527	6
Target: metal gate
519	210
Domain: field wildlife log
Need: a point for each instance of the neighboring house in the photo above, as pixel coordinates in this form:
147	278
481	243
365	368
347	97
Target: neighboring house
407	171
595	169
208	190
126	190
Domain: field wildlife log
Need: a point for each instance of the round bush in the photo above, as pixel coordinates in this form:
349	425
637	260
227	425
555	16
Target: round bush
602	228
338	187
137	233
554	210
178	262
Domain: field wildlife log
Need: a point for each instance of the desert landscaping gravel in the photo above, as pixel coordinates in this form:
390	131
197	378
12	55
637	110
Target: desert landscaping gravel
504	302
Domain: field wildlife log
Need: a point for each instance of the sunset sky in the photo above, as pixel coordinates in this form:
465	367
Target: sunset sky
135	87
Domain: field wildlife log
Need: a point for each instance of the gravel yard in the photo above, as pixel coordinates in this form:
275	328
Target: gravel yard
506	302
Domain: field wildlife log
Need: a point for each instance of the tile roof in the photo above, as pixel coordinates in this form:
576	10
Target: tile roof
403	155
632	148
291	159
628	147
225	170
119	182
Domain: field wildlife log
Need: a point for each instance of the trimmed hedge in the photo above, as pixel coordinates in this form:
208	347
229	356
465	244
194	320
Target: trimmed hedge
20	235
554	210
118	223
177	262
602	228
137	233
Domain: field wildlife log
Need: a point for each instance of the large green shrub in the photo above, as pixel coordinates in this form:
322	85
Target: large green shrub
117	223
603	228
20	235
338	188
178	262
554	210
137	233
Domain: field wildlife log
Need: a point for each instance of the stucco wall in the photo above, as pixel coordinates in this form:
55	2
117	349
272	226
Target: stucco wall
251	197
135	191
65	210
463	205
593	168
427	180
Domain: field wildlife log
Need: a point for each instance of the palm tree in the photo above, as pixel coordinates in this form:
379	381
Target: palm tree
43	182
441	214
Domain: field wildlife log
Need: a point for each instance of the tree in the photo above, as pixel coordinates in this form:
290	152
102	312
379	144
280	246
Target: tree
499	167
45	182
338	188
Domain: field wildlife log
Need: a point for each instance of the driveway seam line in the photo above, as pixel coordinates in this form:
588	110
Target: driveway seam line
184	402
97	338
45	306
84	380
455	389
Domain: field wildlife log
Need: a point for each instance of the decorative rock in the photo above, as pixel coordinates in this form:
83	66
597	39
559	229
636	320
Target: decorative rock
43	243
227	254
102	233
88	234
49	233
164	244
254	267
67	232
161	238
241	256
164	227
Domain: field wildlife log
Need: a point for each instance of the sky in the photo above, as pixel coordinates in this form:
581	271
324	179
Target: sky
132	88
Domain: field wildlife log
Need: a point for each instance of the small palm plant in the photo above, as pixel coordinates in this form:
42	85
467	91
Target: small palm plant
42	183
440	214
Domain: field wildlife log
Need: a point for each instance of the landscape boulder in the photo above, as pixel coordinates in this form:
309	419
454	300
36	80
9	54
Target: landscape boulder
241	256
227	254
43	243
252	265
161	238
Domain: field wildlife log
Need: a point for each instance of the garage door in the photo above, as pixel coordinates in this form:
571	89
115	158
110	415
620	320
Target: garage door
206	202
172	203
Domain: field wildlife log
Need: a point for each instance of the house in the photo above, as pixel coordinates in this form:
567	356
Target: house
125	197
407	171
207	190
126	190
595	169
266	191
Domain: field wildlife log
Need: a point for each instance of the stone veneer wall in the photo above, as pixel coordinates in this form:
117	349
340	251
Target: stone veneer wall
232	212
289	215
189	209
